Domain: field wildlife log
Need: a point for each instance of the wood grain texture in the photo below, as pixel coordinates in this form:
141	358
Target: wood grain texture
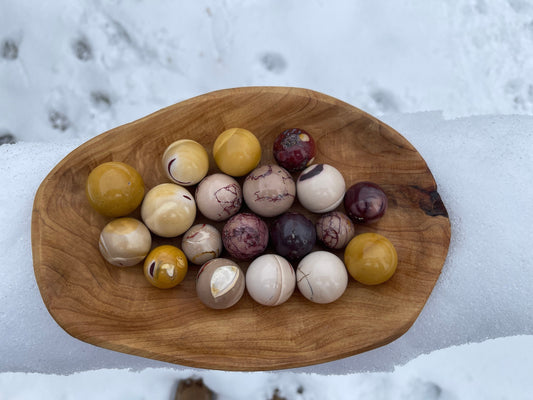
118	309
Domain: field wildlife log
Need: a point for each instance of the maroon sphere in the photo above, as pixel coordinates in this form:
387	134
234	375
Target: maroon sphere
365	202
245	236
294	149
293	235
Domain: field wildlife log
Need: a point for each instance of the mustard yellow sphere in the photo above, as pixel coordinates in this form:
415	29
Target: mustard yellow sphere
237	151
165	266
114	189
370	258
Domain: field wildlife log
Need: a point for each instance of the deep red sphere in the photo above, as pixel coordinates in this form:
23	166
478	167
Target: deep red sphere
365	202
294	149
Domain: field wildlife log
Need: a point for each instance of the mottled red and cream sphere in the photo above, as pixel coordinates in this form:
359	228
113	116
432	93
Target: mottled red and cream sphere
245	236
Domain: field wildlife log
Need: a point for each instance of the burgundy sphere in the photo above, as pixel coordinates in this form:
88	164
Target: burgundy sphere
293	235
294	149
245	236
365	202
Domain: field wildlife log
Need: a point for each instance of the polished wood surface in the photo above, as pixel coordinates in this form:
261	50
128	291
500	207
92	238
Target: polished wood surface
118	309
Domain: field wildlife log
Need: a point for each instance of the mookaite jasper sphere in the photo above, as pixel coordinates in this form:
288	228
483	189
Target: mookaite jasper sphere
236	151
335	230
220	283
365	202
168	210
321	277
125	242
294	149
245	236
370	258
270	280
218	197
293	235
185	162
201	243
269	190
320	188
114	189
165	266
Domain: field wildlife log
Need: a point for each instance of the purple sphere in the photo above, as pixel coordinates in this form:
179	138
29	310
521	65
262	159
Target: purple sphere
365	202
245	236
293	235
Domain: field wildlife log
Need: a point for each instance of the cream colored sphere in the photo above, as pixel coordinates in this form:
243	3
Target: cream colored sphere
185	162
125	242
168	210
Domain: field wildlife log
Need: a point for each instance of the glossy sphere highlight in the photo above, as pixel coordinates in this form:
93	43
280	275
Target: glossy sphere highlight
114	189
185	162
270	280
321	277
335	230
365	202
269	190
237	151
125	242
168	210
371	258
165	266
218	197
294	149
320	188
220	283
293	235
201	243
245	236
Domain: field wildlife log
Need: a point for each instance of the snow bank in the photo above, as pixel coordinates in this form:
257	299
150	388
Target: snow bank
483	170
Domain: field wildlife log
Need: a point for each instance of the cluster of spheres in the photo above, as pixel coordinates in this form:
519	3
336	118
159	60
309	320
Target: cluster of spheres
255	215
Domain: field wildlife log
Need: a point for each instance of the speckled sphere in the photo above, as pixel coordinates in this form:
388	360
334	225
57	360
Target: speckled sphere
294	149
168	210
185	162
245	236
335	230
321	277
114	189
270	280
236	151
269	190
371	258
220	283
320	188
165	266
293	235
202	243
218	197
125	242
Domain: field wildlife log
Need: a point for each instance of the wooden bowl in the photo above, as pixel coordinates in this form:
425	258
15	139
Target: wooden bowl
118	309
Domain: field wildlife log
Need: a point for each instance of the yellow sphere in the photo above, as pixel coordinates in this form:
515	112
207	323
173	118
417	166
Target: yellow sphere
165	266
237	151
370	258
114	189
185	162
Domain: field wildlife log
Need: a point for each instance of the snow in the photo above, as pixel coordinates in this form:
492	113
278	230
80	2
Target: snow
453	78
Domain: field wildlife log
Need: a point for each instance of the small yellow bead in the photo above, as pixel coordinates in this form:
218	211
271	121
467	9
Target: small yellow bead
165	266
237	151
114	189
370	258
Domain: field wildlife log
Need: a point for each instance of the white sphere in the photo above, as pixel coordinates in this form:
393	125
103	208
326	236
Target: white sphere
322	277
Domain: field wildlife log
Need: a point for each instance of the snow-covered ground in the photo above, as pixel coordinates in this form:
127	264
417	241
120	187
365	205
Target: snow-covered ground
71	70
